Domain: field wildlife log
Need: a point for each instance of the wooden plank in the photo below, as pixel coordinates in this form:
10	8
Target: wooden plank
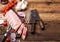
50	27
43	0
47	16
50	16
44	7
55	0
40	41
43	37
51	32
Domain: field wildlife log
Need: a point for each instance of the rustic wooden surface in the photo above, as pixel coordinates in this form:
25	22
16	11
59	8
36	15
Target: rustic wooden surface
50	14
45	8
43	0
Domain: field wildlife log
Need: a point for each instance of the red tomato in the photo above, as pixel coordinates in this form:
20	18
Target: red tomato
4	14
3	10
8	39
15	2
10	5
7	8
5	24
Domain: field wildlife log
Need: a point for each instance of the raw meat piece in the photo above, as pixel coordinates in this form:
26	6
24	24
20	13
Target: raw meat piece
13	19
24	33
21	29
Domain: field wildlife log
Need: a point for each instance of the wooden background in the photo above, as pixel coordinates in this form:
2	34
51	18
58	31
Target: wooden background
49	12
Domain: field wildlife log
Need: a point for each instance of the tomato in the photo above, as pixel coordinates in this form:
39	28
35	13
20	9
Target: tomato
4	14
3	10
5	24
15	2
8	39
7	8
10	5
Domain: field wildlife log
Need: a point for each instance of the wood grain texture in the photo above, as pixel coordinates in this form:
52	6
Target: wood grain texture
44	7
43	0
39	41
47	16
50	16
51	33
